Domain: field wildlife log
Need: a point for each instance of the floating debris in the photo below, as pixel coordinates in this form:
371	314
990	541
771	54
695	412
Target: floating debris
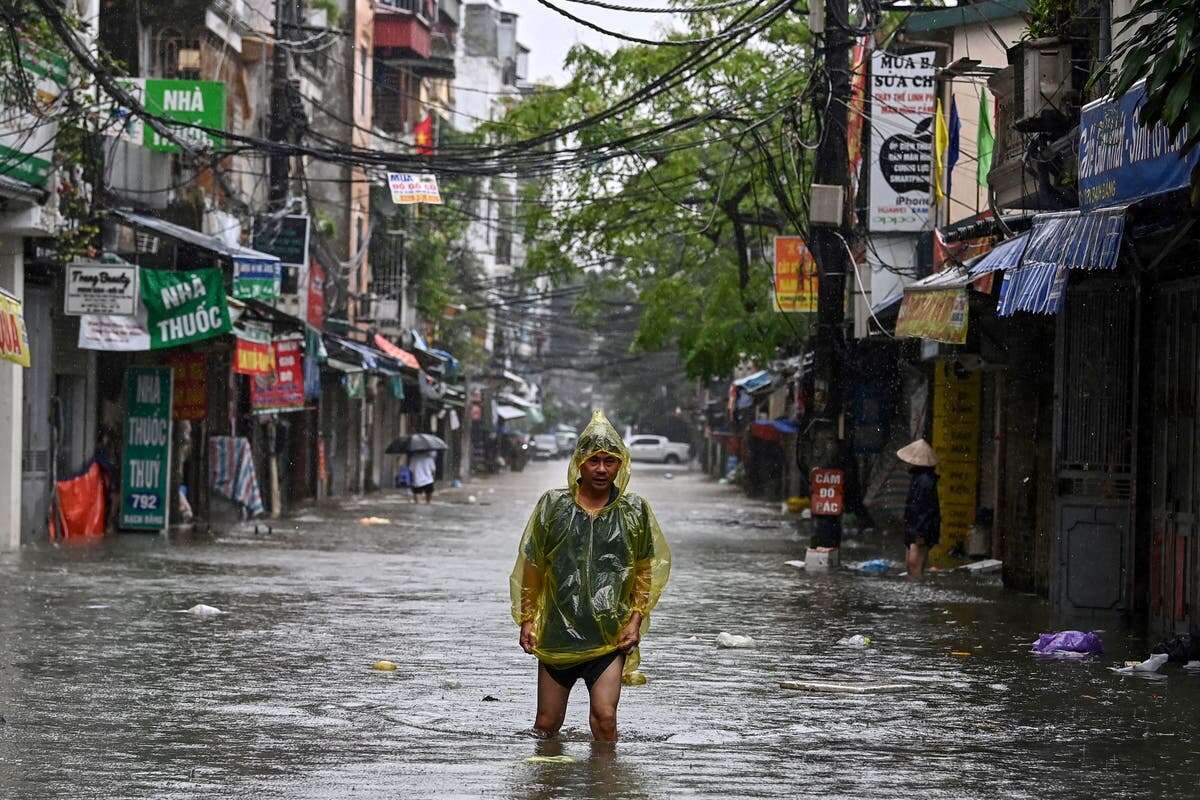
732	640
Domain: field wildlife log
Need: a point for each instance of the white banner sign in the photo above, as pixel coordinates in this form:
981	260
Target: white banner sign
101	289
408	188
112	332
902	107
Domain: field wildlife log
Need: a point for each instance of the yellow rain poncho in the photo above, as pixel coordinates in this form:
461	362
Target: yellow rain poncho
579	577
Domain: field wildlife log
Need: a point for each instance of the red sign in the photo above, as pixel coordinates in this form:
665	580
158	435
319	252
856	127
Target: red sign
316	295
828	488
254	354
190	400
285	391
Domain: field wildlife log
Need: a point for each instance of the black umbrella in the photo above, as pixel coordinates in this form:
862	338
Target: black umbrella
417	443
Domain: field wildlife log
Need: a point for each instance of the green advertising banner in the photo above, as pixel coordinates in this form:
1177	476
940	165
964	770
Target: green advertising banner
146	449
28	128
197	102
183	307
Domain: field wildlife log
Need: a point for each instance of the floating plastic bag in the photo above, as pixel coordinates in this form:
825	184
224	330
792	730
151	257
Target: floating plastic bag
732	640
1151	665
203	611
876	566
857	640
82	504
1068	644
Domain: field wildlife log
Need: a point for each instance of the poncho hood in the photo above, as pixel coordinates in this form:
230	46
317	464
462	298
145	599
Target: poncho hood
599	437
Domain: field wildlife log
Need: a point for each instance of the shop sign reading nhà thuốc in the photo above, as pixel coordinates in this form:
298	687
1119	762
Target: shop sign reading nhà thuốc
146	449
185	306
196	103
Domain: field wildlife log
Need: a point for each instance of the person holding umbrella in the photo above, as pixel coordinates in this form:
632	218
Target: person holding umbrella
422	461
922	510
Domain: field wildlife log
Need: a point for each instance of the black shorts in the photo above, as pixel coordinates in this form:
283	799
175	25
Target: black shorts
426	490
590	671
911	537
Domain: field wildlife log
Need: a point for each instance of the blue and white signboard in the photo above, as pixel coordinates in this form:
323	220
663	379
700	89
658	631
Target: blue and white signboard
1121	160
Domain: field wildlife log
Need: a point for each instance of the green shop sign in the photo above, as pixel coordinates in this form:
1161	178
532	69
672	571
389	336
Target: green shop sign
195	102
185	306
29	128
146	449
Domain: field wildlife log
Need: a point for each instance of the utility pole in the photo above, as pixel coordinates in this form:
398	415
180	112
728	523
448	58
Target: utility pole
828	246
279	166
281	119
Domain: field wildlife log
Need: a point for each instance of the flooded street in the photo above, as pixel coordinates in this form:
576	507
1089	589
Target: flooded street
108	691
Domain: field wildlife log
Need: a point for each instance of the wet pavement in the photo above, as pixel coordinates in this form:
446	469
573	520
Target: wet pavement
109	692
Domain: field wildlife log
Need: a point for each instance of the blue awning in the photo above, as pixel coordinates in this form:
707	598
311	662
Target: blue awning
1006	255
1034	288
1077	240
753	383
785	426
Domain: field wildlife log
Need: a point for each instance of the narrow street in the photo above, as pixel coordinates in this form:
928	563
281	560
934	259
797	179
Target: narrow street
108	691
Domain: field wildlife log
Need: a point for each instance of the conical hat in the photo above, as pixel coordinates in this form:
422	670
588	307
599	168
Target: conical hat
918	453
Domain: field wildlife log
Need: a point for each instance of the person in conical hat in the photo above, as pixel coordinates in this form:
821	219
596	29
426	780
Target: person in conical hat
590	568
922	510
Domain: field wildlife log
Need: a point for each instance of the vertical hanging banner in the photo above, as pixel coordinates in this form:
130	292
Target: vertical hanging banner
14	342
316	295
190	395
957	406
284	391
146	449
253	354
191	387
902	107
796	278
183	307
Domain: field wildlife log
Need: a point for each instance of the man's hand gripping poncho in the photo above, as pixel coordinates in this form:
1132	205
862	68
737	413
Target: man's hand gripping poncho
580	578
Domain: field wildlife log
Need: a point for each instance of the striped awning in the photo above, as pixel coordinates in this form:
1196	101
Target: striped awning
1006	255
1058	243
1035	288
1077	240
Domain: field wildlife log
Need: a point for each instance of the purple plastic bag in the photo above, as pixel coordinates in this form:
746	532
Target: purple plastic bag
1072	642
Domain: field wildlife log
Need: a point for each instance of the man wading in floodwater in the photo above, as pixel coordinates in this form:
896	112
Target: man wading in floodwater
591	566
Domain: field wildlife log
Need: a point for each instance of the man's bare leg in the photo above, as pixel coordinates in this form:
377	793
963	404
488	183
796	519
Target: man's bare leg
551	704
605	695
915	559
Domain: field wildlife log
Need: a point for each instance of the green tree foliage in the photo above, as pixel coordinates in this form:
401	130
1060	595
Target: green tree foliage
1161	43
685	218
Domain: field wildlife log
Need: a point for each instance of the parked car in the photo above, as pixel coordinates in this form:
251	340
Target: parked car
645	447
545	445
566	442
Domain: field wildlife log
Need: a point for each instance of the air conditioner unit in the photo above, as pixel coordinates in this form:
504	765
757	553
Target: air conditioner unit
1044	98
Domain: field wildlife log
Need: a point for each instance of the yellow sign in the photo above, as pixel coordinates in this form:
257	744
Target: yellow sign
940	315
14	343
956	412
795	276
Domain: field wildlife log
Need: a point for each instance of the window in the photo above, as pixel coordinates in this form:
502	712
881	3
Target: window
363	79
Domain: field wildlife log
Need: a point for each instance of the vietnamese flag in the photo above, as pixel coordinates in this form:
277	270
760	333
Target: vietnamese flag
423	136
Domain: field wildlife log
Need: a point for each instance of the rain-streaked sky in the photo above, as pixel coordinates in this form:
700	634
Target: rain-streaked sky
549	36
